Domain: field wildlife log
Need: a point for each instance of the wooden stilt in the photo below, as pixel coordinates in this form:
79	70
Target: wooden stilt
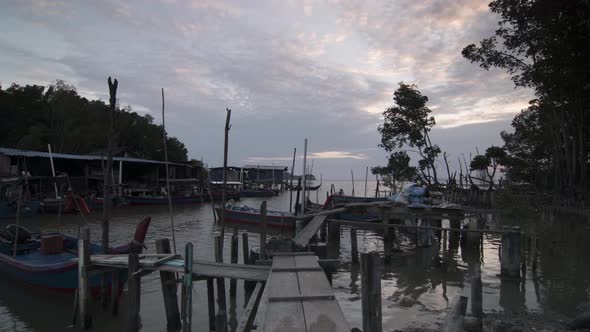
133	285
234	260
511	254
83	264
211	303
187	285
221	317
115	293
371	291
169	289
263	234
354	246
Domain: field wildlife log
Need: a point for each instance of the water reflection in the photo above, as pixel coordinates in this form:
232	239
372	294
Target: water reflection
417	283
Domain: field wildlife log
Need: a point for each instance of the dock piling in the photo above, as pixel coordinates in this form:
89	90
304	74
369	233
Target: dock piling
211	303
511	254
221	317
133	285
187	285
83	263
371	291
263	234
354	246
169	289
233	260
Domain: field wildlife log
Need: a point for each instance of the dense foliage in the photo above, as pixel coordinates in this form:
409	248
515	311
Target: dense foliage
34	116
407	125
545	45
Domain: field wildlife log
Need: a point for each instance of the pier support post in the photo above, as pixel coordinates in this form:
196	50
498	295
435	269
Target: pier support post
233	260
187	289
333	231
371	291
169	289
83	264
211	303
133	285
510	258
354	246
263	234
221	317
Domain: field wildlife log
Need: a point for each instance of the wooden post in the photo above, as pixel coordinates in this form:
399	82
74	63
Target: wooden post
187	285
115	293
169	289
445	255
297	206
83	264
223	189
371	291
291	181
211	303
221	317
168	191
234	260
263	234
333	231
245	250
133	285
511	254
534	255
454	319
354	246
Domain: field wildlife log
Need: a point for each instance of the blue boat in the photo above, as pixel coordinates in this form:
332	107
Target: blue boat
41	263
28	209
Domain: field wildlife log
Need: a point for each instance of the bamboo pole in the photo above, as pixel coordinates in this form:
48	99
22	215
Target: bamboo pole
291	182
366	180
225	144
168	192
304	180
352	178
18	208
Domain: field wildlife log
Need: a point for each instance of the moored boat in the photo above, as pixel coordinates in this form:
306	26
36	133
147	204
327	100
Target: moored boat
247	215
48	261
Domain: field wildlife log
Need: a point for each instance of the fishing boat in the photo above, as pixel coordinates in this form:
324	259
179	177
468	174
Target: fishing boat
247	215
258	192
151	197
48	260
307	188
28	208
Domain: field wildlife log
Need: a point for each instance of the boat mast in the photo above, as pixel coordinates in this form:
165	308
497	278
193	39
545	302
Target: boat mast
291	182
304	177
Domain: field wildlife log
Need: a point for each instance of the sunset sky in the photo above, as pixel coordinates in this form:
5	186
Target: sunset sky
324	70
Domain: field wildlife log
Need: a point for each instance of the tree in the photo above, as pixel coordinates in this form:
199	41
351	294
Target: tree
34	116
408	123
398	169
493	157
543	45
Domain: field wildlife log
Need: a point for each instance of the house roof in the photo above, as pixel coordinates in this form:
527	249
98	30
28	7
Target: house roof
41	154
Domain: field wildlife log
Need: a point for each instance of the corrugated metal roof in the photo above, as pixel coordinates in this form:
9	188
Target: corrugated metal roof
41	154
269	167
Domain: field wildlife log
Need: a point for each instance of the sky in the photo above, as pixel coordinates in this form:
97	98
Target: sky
288	70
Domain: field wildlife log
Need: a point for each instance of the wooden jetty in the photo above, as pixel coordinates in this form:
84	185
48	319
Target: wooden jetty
298	297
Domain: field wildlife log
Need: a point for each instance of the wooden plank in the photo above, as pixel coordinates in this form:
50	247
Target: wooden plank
162	260
247	319
169	290
200	268
283	316
316	297
302	238
321	213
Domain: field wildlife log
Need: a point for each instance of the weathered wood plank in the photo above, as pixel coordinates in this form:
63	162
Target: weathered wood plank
247	319
302	238
200	268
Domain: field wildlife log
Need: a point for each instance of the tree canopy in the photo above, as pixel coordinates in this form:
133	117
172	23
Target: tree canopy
34	116
545	45
407	124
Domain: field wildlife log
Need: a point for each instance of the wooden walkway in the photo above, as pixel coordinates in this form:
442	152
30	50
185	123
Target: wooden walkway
174	263
298	297
302	238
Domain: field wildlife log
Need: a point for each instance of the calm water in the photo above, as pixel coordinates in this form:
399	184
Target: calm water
415	290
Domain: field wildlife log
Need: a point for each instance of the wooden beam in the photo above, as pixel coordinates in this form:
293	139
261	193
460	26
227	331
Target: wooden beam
169	289
247	320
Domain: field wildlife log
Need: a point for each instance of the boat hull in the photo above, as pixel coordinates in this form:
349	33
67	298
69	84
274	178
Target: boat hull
252	218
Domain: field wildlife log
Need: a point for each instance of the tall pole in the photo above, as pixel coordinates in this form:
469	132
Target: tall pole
366	180
226	139
168	192
352	178
291	182
106	211
304	179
